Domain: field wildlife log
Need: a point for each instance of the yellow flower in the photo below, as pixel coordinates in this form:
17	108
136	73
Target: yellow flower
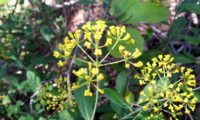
56	54
132	41
88	36
166	58
100	77
87	45
67	54
122	30
61	63
77	34
87	93
108	42
113	30
121	48
160	57
74	86
153	82
155	109
187	111
127	65
87	77
98	52
126	54
127	36
80	72
100	90
137	53
150	89
191	83
138	64
97	36
70	35
95	71
146	107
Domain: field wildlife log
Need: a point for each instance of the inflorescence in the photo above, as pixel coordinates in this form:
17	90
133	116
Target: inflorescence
169	88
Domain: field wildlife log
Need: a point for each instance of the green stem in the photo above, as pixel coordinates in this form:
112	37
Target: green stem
86	53
130	114
80	59
110	51
111	63
97	93
96	101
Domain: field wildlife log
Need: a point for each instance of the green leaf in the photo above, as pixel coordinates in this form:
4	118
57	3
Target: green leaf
129	97
184	58
191	7
139	43
85	104
6	100
197	94
194	40
163	82
3	1
33	79
86	1
116	98
135	11
3	70
121	82
148	55
47	33
177	27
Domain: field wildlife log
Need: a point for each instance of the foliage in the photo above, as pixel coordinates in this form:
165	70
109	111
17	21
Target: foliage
124	66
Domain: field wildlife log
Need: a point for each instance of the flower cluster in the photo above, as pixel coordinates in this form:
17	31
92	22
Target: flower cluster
169	88
54	96
91	75
67	47
93	40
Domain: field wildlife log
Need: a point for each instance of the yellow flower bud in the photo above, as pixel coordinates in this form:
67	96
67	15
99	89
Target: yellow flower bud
155	109
95	71
100	90
146	107
121	48
87	45
100	77
191	83
87	93
77	34
138	64
127	65
132	41
56	54
108	42
127	36
98	52
126	54
70	35
61	63
187	111
88	36
150	89
87	77
137	53
97	36
113	30
160	57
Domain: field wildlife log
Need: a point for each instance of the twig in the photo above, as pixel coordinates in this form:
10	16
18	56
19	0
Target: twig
69	76
190	116
198	88
31	98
